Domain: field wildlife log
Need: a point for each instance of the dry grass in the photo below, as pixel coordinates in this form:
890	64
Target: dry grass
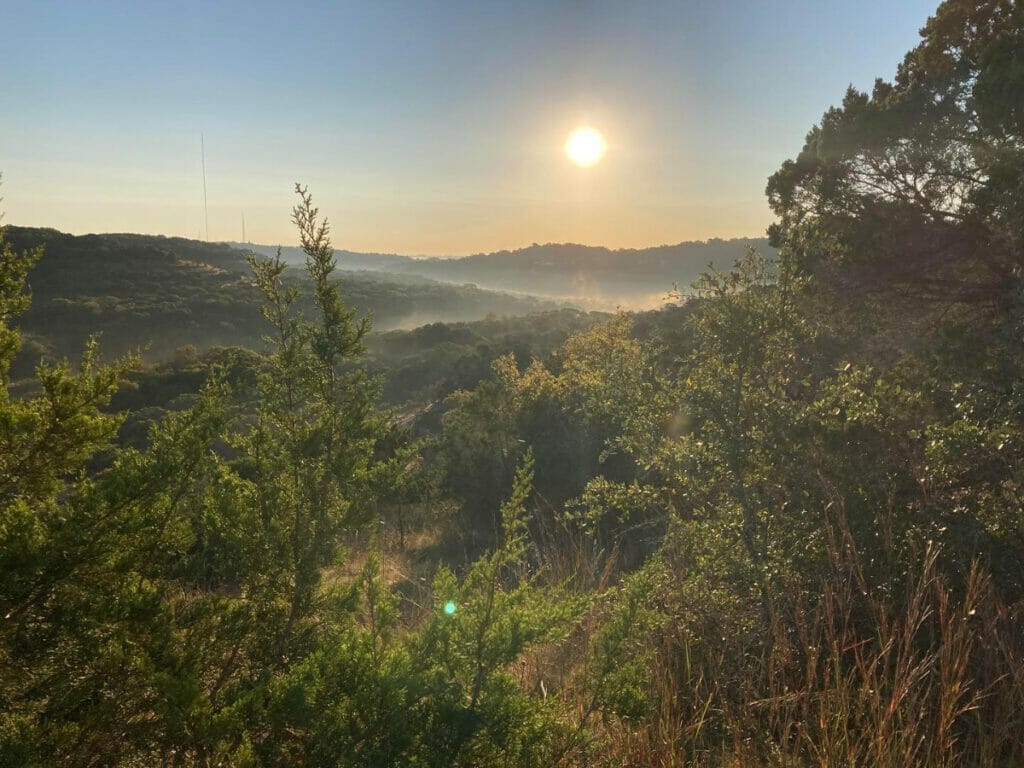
929	676
932	678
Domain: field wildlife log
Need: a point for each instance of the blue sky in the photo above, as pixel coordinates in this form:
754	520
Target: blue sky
424	127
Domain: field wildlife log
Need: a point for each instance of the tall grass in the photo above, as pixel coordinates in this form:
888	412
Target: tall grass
930	677
924	673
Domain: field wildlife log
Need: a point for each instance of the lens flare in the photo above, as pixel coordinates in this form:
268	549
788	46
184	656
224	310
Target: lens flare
449	607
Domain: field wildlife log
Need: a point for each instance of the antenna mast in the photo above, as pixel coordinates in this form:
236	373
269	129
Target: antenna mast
206	210
243	228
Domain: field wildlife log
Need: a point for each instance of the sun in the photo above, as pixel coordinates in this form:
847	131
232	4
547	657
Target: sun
585	146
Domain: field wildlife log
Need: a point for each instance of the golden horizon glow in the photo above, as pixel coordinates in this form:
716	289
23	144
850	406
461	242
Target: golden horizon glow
585	146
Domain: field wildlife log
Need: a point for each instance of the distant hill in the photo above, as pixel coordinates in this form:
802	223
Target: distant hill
587	274
167	293
164	293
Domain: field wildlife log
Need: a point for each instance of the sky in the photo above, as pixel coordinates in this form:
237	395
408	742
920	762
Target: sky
424	127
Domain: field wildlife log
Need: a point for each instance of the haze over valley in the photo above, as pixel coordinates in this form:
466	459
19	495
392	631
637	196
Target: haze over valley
159	294
592	277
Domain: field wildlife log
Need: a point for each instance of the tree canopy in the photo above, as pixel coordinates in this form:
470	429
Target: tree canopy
917	187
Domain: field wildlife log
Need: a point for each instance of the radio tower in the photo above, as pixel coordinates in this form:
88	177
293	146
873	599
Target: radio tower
206	210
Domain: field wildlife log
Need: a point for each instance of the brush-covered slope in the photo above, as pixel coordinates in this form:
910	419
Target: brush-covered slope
165	293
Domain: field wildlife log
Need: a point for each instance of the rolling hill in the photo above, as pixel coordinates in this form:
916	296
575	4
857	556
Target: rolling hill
165	293
601	278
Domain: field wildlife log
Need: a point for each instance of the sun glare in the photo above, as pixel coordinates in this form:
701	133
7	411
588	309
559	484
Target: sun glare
585	147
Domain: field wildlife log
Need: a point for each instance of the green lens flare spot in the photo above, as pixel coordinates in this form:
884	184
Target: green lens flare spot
449	607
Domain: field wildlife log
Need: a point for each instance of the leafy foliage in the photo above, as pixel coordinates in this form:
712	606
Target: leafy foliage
916	187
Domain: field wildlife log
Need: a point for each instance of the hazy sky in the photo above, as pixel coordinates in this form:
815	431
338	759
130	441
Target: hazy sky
424	127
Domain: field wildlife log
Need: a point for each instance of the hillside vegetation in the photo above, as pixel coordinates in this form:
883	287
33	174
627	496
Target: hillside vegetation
165	293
